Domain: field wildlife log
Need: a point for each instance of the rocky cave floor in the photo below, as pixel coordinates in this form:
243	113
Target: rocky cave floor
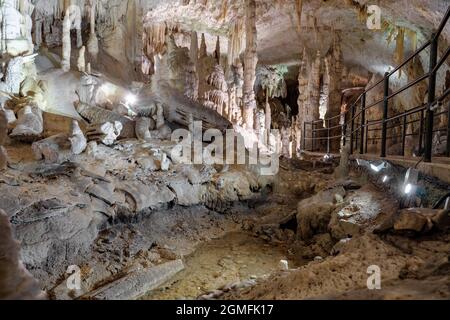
210	232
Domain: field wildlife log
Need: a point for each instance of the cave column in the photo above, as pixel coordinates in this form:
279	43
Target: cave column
72	17
314	90
92	45
193	54
250	63
194	48
303	96
268	118
334	68
313	105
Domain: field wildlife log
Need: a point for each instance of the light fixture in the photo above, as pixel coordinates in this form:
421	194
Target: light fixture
385	179
408	188
379	167
131	99
411	178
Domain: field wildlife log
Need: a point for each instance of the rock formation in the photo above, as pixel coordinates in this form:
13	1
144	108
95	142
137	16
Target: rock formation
251	60
134	134
16	283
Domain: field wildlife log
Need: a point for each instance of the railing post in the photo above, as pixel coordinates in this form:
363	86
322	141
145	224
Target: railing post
304	136
328	136
448	131
352	128
344	128
431	100
367	135
403	136
421	131
313	143
363	122
385	115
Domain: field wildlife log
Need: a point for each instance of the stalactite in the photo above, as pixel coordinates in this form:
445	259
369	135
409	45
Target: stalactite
235	41
182	73
92	45
155	35
217	52
251	61
203	49
223	11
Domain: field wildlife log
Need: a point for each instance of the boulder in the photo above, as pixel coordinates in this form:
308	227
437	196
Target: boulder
15	281
53	233
186	193
314	214
30	124
415	220
145	196
410	220
313	219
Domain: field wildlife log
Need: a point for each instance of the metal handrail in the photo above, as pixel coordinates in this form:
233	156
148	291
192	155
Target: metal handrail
356	111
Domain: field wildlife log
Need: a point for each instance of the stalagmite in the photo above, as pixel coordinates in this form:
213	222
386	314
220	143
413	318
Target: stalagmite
92	44
217	52
193	52
314	88
66	44
143	127
250	63
30	124
333	77
304	114
106	133
72	20
296	135
81	62
15	27
218	96
286	142
77	139
260	127
268	119
203	49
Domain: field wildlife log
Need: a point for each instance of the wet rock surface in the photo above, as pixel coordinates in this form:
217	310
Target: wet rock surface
63	210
